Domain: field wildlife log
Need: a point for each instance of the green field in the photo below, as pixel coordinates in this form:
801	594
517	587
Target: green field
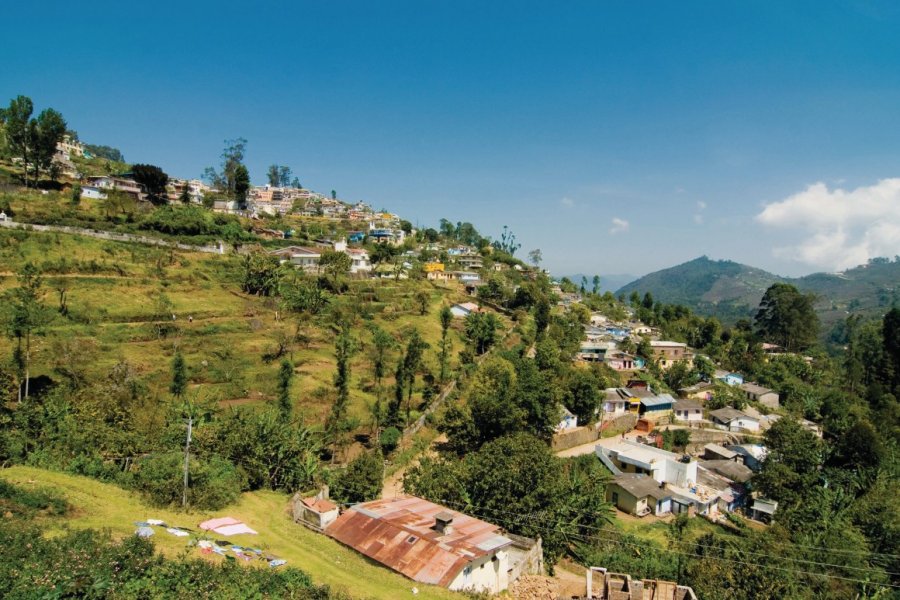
103	506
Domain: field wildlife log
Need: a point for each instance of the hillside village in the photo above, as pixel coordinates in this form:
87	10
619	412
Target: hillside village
287	378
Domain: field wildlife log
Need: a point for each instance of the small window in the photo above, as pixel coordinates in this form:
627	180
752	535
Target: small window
412	539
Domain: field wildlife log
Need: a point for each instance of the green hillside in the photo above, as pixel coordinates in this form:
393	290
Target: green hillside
721	287
731	290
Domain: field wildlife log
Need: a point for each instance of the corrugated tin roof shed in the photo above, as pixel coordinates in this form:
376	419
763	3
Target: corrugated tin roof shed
660	402
400	533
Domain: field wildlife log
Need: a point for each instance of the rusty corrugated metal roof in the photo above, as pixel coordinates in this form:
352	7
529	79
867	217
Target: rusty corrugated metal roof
399	533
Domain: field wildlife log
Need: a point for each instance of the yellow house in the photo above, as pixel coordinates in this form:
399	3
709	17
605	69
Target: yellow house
434	267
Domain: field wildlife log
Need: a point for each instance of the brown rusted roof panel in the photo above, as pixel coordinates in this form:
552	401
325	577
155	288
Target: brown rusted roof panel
400	534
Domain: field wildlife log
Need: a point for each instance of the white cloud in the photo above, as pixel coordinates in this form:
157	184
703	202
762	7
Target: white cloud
618	226
698	216
567	202
836	228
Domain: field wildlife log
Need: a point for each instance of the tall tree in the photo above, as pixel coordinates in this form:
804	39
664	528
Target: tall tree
33	140
285	374
16	119
481	329
335	265
25	314
337	420
787	317
446	319
274	176
791	467
241	185
536	256
154	181
596	282
284	176
393	413
179	376
232	158
891	336
382	342
47	131
411	363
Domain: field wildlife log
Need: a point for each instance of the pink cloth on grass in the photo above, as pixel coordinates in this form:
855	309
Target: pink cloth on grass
219	522
234	529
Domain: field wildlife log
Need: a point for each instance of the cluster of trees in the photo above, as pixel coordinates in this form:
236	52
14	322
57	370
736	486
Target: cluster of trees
232	178
32	139
516	482
193	220
280	176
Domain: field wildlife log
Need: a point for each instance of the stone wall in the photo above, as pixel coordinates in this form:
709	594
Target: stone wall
574	437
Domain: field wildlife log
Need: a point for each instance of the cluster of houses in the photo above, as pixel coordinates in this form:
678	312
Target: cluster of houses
308	258
648	480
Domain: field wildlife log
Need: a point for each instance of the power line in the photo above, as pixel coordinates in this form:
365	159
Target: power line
621	534
783	544
596	536
694	555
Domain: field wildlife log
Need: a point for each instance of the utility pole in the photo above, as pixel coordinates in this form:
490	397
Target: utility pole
187	451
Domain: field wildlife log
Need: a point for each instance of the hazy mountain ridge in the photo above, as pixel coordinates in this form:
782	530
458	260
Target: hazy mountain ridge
731	290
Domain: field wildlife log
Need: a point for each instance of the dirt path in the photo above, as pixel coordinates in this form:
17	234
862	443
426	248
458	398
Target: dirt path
393	484
570	579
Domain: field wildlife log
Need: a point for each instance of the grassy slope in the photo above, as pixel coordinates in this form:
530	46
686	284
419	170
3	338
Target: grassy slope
103	506
114	304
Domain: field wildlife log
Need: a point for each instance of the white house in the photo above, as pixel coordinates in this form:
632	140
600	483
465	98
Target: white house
302	257
661	465
688	410
731	419
359	261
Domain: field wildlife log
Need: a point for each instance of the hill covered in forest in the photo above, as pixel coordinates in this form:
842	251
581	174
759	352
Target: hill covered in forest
732	290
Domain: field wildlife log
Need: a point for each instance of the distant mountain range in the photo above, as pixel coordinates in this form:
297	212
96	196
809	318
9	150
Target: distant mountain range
608	283
732	291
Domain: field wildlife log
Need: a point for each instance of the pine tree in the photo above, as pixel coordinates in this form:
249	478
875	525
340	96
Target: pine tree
285	374
179	376
337	419
446	319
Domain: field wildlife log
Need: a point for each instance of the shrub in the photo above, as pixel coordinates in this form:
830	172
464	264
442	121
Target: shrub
390	437
98	567
213	483
24	502
181	220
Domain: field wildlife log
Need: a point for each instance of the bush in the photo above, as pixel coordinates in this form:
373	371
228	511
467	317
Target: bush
181	220
212	484
19	501
390	437
98	567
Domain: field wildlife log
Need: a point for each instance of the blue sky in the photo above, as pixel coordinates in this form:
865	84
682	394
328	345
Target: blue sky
615	136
